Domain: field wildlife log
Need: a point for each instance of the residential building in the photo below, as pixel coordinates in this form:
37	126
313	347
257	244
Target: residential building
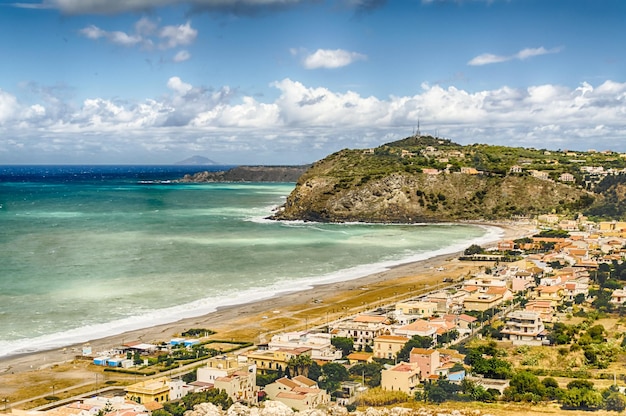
388	346
363	329
618	297
419	327
349	392
543	307
274	359
427	360
240	386
466	324
447	301
401	377
554	293
319	342
299	393
153	390
482	301
409	311
484	283
235	375
360	357
524	328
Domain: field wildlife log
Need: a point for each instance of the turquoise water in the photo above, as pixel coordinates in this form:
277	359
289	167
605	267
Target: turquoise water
86	253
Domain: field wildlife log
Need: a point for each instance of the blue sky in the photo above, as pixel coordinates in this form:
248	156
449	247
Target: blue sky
290	81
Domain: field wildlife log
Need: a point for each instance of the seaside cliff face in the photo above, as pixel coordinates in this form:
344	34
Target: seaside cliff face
249	174
384	186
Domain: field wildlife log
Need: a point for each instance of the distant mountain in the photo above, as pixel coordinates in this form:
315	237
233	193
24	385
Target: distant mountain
197	161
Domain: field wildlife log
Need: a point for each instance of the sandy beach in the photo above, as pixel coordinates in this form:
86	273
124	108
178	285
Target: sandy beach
27	375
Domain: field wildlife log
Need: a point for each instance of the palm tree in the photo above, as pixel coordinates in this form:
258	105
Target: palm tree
300	365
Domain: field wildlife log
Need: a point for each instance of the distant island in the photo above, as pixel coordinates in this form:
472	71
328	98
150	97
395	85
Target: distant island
197	161
429	179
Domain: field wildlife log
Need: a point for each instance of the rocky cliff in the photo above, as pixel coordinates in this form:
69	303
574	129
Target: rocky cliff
249	174
383	185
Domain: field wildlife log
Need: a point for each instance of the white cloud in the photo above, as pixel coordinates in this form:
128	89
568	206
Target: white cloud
146	33
93	32
8	106
304	123
182	56
176	84
174	36
488	58
146	27
331	58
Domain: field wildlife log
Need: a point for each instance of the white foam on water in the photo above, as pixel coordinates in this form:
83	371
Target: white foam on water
212	303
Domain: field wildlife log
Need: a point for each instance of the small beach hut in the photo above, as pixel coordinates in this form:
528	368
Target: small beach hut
101	360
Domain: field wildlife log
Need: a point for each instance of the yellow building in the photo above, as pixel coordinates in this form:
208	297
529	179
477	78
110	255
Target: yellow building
275	359
153	390
482	301
418	308
388	346
402	377
233	374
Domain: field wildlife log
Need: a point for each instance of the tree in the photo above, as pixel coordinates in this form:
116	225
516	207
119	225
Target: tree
580	384
447	337
346	345
218	397
577	398
371	372
473	249
524	386
315	371
440	391
299	365
332	375
552	389
416	342
108	408
615	401
579	298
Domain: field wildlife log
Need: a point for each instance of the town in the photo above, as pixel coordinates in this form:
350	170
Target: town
541	321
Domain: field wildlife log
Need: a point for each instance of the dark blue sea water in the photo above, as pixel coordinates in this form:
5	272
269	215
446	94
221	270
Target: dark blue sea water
89	251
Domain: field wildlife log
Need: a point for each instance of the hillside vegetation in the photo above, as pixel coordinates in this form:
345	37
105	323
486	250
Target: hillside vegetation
425	179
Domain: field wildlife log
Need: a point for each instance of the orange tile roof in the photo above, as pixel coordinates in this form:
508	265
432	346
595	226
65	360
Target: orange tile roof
422	351
467	318
391	338
304	380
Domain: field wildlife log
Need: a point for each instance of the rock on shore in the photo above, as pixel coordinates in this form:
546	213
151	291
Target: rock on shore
274	408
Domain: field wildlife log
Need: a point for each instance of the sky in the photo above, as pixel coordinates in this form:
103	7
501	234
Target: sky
291	81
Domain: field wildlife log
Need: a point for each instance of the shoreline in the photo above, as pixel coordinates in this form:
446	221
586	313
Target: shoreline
171	315
256	321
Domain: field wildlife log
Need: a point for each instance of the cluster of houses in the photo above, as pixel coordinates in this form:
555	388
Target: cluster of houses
592	174
382	333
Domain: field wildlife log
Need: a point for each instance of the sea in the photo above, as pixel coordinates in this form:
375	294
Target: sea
92	251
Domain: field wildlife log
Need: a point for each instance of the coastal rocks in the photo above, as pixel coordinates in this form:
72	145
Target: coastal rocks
248	174
205	409
274	408
408	197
